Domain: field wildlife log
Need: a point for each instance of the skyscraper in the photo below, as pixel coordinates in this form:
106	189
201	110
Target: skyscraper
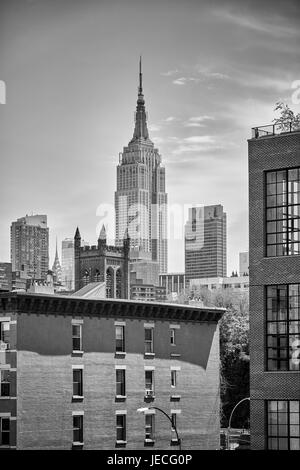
30	246
67	263
205	243
141	199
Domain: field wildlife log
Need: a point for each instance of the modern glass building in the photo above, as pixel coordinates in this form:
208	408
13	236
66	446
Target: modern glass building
205	243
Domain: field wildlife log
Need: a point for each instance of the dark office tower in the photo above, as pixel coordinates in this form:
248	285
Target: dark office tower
141	199
205	243
30	246
274	242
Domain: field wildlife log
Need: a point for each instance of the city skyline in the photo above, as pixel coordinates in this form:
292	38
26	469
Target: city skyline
70	101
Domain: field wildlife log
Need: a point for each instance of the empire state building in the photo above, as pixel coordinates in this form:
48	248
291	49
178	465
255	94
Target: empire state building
141	199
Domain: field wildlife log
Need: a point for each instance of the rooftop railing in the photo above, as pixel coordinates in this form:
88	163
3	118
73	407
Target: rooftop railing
274	129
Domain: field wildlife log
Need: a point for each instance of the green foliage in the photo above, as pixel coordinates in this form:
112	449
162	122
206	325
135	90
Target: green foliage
234	351
287	120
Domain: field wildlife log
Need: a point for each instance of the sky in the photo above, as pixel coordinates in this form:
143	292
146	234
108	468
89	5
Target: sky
211	71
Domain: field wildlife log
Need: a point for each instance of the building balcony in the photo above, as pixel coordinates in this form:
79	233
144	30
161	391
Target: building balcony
274	129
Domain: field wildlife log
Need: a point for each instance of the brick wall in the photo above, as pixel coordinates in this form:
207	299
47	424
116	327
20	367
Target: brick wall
45	383
269	153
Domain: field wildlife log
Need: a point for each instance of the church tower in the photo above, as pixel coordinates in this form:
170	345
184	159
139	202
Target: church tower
141	198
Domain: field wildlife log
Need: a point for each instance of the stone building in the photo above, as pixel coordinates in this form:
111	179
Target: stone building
103	263
75	371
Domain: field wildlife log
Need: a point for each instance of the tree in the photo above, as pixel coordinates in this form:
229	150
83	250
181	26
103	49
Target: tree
288	120
234	351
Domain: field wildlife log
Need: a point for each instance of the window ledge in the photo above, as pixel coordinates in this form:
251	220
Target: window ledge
175	442
121	443
149	397
149	442
120	354
78	397
77	353
175	397
77	444
121	397
175	355
281	371
6	398
149	354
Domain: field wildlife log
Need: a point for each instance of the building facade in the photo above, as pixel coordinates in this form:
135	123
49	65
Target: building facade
141	198
5	276
30	246
174	283
274	228
67	264
244	263
238	284
74	372
205	243
103	263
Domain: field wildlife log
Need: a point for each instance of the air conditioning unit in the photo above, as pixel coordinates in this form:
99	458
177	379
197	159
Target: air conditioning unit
149	393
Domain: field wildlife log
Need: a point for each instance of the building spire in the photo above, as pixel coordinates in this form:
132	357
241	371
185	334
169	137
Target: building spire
141	78
140	130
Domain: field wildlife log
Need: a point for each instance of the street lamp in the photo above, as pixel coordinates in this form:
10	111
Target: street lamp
228	430
143	410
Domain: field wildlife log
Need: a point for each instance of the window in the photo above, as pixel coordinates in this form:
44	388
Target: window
120	382
121	427
173	378
283	424
4	335
77	337
5	384
78	429
173	336
4	431
149	426
120	343
148	340
283	212
283	327
77	383
174	426
149	383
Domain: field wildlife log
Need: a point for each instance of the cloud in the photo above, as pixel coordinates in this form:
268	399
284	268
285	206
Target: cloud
199	139
257	24
197	121
208	74
171	118
193	124
184	80
169	73
154	127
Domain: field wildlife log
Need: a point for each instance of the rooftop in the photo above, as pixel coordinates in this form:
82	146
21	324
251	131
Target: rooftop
40	304
273	129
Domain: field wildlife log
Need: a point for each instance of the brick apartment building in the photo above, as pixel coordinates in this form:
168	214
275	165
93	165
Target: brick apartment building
74	372
274	227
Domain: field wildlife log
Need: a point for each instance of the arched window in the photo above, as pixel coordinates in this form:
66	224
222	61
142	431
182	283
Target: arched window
97	276
118	284
86	277
109	283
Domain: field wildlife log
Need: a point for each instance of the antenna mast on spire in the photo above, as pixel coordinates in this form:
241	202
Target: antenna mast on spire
141	77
